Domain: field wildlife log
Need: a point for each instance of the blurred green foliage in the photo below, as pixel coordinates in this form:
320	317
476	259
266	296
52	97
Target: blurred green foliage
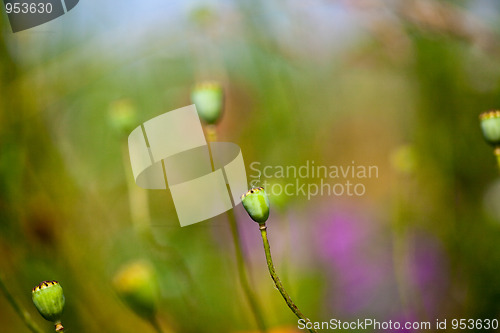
298	87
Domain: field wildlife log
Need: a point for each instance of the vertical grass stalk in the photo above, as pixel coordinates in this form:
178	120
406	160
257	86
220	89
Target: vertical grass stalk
497	155
141	220
240	260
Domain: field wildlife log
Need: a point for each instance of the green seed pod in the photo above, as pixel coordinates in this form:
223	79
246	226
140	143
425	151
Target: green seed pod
137	285
490	124
256	204
48	298
209	100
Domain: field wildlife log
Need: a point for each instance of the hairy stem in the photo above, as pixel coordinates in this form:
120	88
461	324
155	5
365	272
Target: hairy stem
276	279
243	274
25	316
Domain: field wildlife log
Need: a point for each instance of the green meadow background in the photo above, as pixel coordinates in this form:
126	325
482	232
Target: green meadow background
394	84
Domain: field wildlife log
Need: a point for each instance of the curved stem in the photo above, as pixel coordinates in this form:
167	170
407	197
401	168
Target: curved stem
276	279
243	274
20	311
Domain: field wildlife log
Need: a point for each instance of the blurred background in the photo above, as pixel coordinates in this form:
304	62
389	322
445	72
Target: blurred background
394	84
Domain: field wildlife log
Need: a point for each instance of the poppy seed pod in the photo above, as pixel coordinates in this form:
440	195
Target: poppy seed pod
48	298
256	204
136	283
490	125
209	100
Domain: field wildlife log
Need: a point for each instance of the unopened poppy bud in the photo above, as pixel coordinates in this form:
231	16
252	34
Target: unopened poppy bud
256	204
209	100
137	285
490	125
48	298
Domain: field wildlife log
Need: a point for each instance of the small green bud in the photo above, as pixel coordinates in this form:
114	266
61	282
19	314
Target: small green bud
256	204
48	298
490	124
209	100
122	116
136	283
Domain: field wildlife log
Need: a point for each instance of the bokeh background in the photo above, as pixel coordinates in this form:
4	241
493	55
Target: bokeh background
395	84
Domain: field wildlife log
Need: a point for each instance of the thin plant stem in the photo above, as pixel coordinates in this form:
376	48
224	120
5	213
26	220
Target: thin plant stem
252	300
211	133
276	279
141	219
240	260
497	155
137	199
411	300
25	316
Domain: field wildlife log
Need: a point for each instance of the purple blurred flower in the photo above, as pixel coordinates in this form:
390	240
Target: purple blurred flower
357	253
358	264
428	271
